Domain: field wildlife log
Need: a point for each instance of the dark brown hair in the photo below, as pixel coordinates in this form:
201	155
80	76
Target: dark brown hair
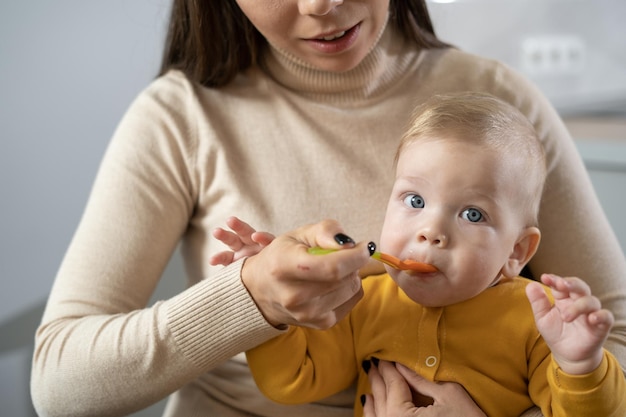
211	41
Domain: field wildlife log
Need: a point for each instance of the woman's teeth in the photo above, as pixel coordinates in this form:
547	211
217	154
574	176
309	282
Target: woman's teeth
335	36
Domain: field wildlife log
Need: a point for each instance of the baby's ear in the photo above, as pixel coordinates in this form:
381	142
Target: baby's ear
524	249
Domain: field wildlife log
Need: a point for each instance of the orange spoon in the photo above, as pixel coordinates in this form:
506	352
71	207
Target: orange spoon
407	264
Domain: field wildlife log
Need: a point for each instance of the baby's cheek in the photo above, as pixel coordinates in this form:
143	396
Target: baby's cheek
482	266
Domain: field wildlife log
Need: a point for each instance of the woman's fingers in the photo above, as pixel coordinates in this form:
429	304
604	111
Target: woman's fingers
376	403
391	395
417	382
369	409
328	286
397	391
293	287
397	387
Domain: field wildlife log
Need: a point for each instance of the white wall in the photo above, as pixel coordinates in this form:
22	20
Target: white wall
575	50
68	71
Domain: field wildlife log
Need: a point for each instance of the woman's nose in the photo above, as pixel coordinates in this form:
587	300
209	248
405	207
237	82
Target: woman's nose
317	7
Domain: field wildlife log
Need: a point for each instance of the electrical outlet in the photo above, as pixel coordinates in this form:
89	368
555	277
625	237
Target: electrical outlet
553	55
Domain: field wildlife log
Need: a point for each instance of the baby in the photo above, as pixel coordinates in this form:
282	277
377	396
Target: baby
470	172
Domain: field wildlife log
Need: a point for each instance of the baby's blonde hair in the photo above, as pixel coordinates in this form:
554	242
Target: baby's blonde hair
490	122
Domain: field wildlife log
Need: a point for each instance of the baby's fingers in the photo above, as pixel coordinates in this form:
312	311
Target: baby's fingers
581	306
570	287
223	258
602	319
228	238
263	238
539	301
241	228
580	302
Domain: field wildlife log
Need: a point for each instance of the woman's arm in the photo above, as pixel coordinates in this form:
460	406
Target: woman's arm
99	349
305	365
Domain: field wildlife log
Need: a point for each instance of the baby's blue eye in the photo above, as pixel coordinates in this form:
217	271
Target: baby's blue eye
473	215
414	200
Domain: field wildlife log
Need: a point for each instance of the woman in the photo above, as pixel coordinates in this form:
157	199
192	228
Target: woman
283	113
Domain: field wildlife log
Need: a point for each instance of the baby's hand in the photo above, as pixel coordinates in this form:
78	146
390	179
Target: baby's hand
575	327
243	241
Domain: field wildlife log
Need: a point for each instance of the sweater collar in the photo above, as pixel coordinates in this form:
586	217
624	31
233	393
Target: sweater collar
385	64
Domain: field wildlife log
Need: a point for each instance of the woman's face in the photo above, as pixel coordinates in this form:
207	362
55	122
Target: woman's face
332	35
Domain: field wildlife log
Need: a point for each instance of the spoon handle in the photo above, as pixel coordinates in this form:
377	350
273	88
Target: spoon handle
316	250
386	259
390	260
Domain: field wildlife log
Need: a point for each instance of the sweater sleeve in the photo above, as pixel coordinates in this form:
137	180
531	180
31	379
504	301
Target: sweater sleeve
305	365
99	349
600	393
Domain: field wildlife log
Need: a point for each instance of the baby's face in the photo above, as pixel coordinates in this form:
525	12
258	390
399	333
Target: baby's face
452	205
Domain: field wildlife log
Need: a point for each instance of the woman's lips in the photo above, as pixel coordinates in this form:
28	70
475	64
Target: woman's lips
336	42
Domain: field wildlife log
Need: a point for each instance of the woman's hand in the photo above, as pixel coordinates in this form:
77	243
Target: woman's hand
242	240
396	390
293	287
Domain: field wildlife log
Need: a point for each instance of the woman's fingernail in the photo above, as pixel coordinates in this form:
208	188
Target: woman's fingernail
375	361
363	400
366	366
371	247
343	239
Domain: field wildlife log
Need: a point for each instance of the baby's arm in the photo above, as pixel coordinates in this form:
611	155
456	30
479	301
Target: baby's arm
242	240
575	326
305	365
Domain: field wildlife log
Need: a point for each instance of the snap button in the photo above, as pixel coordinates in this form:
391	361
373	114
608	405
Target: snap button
431	361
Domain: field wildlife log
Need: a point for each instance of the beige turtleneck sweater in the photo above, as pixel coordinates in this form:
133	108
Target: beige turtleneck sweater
281	146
